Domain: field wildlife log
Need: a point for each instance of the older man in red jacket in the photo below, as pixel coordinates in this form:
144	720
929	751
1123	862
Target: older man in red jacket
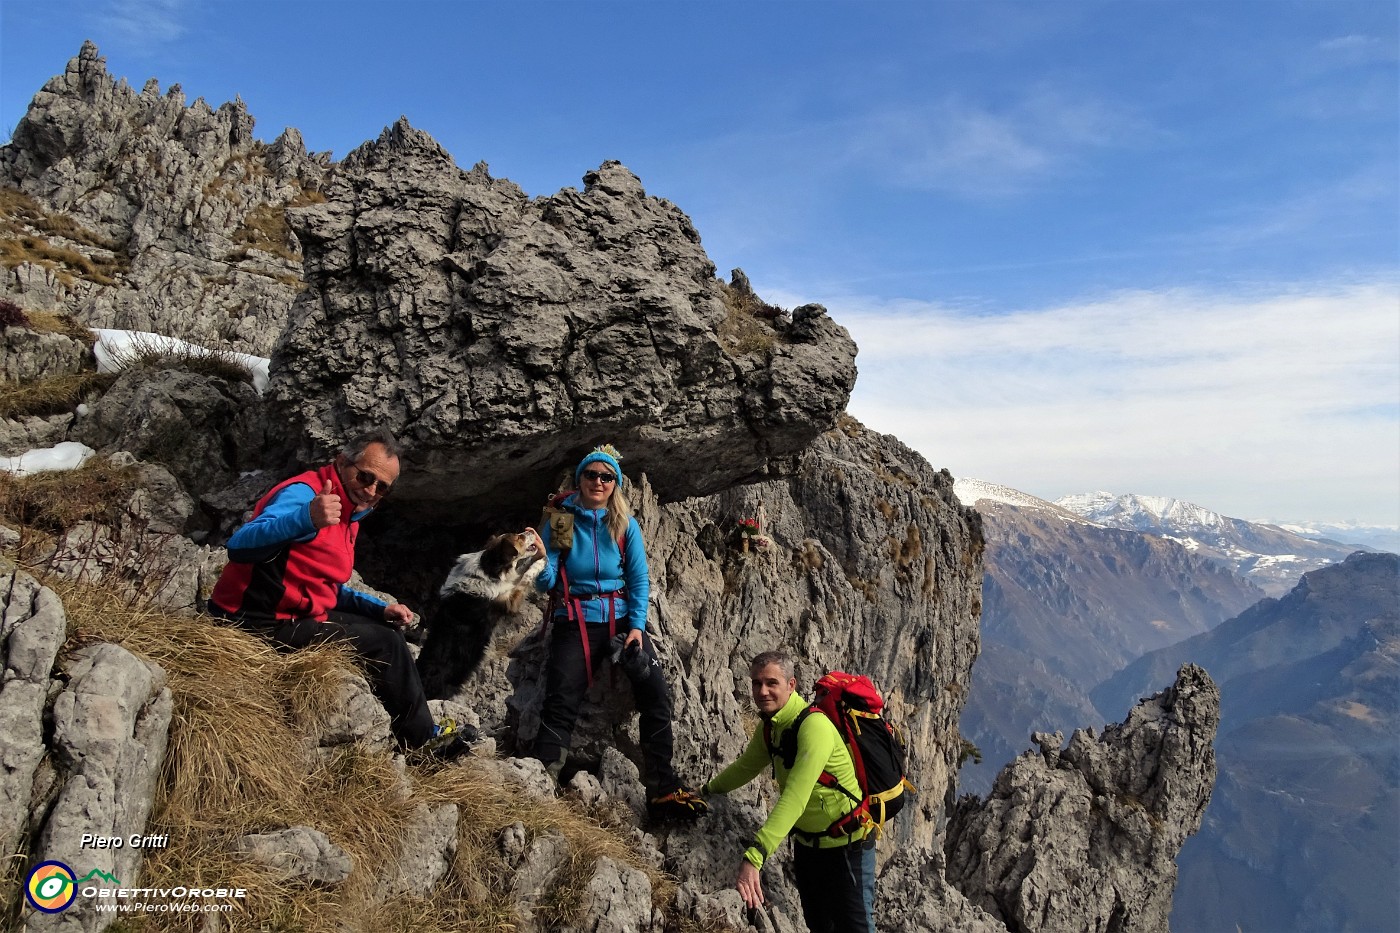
287	575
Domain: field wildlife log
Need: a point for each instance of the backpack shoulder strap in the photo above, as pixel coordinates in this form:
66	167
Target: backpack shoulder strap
786	749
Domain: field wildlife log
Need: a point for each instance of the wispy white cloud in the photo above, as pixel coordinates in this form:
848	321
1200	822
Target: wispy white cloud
1358	49
1358	204
1280	405
973	149
147	23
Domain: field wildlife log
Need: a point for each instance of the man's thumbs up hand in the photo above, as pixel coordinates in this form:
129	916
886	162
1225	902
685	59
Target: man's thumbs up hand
325	508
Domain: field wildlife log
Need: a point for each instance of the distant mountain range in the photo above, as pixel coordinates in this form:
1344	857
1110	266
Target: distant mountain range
1303	832
1066	603
1364	537
1271	557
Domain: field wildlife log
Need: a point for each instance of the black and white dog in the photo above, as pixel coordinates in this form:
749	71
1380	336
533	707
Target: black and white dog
483	588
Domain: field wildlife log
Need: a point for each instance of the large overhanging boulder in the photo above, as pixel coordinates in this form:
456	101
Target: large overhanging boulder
501	336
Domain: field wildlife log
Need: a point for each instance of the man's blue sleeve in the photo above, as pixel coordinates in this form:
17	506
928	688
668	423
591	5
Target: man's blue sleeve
363	604
285	519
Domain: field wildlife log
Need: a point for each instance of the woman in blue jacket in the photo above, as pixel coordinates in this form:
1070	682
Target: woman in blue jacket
601	585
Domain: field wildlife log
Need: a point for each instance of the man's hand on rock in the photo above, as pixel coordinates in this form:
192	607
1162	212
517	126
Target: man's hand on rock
398	615
750	888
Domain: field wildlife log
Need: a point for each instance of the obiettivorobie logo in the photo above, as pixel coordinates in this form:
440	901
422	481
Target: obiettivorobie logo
52	886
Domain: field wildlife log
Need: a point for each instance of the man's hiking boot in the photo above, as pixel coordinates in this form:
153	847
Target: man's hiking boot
449	741
679	804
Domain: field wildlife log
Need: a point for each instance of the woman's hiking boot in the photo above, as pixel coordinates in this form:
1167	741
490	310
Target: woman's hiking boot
450	741
679	804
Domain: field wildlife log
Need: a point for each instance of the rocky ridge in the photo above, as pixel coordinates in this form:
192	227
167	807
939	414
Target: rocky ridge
143	211
533	329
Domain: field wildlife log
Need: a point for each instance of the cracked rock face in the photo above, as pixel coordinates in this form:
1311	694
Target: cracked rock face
501	336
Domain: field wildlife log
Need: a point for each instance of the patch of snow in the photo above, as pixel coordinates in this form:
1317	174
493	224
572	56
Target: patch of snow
116	348
67	455
972	491
969	491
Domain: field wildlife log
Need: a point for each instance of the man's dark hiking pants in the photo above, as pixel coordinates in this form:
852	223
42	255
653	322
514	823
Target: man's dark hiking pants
566	682
837	886
382	653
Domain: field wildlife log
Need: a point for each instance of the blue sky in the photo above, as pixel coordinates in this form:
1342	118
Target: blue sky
1146	247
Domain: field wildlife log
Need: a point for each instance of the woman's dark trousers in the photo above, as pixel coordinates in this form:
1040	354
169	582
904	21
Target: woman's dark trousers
566	682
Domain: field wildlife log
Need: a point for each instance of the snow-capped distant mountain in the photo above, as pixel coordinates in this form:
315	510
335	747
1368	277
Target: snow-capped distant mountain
1067	602
972	491
1376	537
1142	513
1271	557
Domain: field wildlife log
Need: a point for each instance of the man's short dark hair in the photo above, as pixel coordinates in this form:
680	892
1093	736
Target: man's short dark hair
356	448
780	658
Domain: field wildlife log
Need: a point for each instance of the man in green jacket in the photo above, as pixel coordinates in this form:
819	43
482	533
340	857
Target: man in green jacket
835	876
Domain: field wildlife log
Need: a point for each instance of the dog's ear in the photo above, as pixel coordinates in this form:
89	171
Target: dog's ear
499	554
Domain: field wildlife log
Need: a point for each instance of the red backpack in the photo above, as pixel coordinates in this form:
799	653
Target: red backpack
855	707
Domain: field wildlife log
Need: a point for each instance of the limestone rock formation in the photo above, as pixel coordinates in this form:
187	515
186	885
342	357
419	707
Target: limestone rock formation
32	629
204	429
298	852
1115	807
27	354
142	211
502	335
110	725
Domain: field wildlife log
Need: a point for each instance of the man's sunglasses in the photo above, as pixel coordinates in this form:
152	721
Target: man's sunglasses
367	479
599	477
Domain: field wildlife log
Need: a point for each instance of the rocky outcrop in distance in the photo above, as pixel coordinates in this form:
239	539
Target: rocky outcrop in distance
1117	806
1302	832
501	337
141	211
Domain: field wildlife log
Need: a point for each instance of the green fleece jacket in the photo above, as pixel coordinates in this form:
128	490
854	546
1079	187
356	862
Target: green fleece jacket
803	803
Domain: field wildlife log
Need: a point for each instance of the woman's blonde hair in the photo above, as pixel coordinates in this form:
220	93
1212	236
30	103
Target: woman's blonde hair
619	512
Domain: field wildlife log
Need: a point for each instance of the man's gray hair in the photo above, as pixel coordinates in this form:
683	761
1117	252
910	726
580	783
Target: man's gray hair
356	448
769	658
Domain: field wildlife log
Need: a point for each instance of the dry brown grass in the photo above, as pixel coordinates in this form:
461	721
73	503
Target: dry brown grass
56	501
65	263
265	229
745	329
239	761
51	396
65	324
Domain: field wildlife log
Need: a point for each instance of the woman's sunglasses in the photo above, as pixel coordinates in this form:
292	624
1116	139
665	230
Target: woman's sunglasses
599	477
